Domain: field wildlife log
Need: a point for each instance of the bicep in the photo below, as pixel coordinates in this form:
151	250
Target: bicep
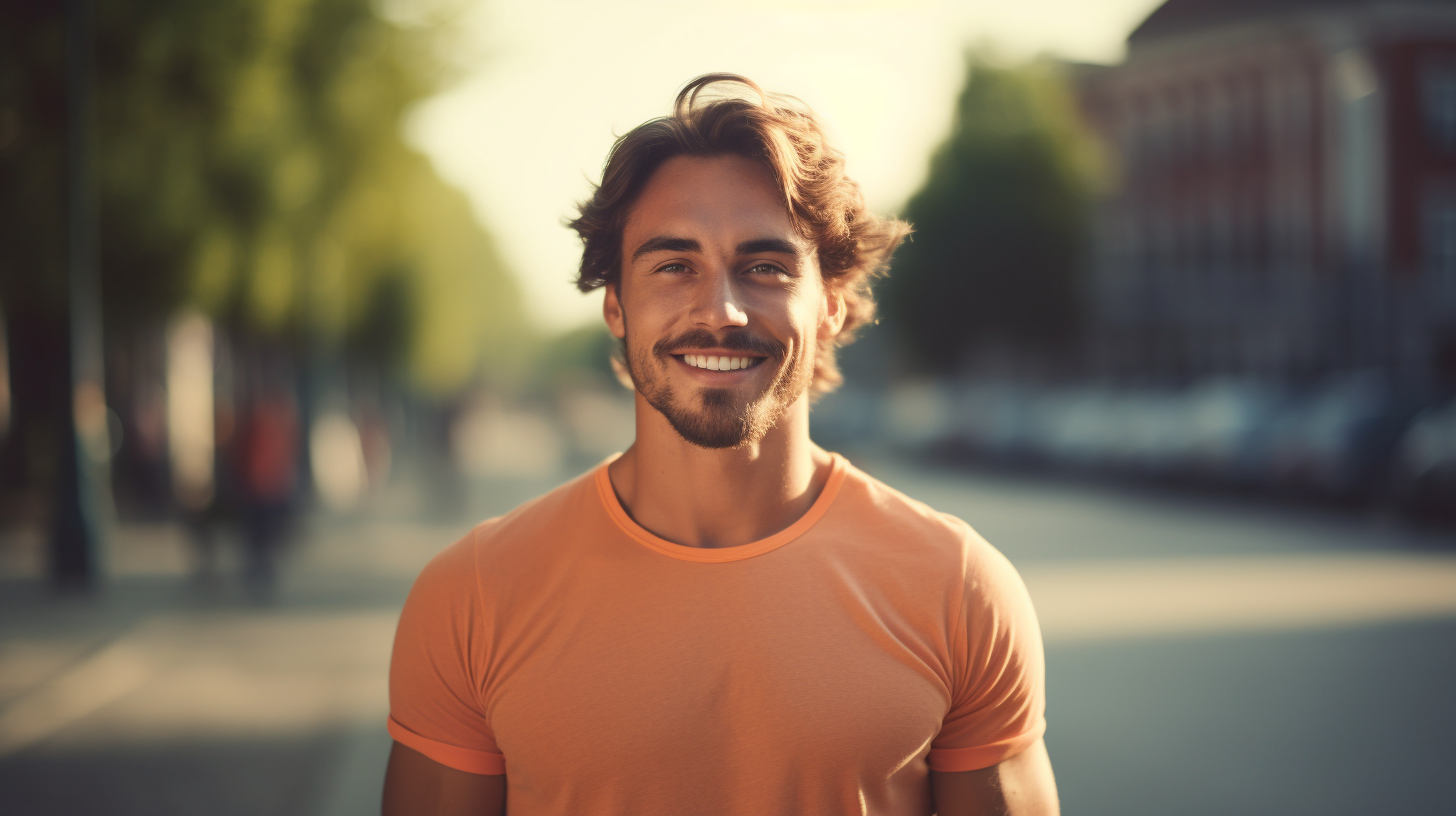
415	785
1020	786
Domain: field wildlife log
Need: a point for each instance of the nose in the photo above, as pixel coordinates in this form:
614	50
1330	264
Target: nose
717	303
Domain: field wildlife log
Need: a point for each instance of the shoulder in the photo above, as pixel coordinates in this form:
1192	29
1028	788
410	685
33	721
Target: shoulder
946	543
541	519
511	542
869	503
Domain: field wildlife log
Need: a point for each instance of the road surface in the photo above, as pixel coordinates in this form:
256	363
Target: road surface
1205	656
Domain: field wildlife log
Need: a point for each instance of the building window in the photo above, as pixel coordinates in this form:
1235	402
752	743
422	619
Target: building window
1129	130
1438	102
1220	127
1439	238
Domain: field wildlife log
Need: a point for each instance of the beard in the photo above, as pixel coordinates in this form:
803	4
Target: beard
718	418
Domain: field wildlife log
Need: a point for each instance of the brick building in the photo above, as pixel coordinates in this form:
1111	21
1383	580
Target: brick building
1285	204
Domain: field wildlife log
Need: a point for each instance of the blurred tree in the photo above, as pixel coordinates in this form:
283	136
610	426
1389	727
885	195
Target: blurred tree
250	162
580	354
1000	226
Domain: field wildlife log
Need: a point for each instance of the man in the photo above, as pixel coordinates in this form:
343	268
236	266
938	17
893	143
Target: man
725	619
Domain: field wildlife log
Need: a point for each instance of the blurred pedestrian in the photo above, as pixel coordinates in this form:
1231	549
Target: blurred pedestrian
726	618
269	456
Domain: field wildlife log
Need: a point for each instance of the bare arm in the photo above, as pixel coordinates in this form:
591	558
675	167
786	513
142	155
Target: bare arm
1020	786
415	785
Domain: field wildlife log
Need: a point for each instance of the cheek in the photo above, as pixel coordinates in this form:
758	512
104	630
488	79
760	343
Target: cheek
807	313
657	306
640	315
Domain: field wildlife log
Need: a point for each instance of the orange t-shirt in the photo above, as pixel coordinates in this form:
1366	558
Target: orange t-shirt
824	669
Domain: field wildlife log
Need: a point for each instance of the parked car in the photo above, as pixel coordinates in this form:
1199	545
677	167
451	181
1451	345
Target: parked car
1228	428
1423	474
1339	440
995	421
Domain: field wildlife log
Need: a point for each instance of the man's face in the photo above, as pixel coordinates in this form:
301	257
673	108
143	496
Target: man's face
721	305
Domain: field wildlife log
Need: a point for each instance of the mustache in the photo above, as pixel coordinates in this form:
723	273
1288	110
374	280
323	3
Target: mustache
739	340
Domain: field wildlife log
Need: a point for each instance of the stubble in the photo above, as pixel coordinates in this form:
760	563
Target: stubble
718	418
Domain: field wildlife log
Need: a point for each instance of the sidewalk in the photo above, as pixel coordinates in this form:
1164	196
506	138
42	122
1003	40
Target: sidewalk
161	696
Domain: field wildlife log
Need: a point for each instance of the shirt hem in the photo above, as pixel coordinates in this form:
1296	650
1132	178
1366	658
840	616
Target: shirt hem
952	760
468	760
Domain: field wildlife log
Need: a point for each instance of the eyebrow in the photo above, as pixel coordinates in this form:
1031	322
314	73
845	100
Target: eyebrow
671	243
666	243
775	245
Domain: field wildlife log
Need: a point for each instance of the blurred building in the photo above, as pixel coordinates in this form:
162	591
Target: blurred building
1286	195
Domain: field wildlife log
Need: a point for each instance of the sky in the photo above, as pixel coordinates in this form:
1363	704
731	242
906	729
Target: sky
546	86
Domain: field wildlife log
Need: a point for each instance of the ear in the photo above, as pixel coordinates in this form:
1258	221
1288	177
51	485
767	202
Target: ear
834	313
612	311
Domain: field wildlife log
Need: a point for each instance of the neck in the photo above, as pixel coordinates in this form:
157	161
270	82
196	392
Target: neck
699	497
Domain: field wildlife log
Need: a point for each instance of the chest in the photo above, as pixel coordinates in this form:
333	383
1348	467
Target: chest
808	675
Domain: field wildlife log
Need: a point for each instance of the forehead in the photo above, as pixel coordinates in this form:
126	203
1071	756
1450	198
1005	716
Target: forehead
714	199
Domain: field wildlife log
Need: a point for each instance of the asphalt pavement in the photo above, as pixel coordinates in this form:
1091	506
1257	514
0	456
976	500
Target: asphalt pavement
1205	656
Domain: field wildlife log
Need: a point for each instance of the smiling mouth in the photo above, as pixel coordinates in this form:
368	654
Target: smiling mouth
714	362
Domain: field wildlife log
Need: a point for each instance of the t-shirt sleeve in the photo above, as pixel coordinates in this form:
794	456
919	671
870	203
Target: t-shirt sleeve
440	651
998	703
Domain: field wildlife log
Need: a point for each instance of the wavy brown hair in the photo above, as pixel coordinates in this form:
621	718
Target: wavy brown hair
712	117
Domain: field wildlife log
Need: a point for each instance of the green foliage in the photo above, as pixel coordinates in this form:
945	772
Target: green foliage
584	353
249	161
1000	225
32	160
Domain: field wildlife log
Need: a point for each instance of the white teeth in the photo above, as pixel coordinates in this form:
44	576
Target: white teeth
712	362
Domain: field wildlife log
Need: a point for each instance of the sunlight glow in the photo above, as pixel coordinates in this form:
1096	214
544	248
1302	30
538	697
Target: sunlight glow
525	130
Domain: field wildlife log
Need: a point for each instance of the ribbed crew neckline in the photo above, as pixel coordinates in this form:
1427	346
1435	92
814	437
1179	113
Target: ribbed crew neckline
645	537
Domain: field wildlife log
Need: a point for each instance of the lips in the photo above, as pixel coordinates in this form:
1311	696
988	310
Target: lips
699	348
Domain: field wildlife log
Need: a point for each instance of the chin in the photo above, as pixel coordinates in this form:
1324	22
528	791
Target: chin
718	423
